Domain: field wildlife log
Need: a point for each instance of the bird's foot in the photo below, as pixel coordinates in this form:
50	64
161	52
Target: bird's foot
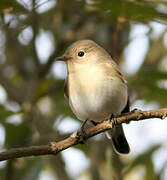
112	119
94	122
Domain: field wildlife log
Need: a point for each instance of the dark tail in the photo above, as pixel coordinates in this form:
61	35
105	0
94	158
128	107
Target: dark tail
118	137
119	140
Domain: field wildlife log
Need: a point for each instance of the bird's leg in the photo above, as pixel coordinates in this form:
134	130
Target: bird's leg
112	116
112	119
83	134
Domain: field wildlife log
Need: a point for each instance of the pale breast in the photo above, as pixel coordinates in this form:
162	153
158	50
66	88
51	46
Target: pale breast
94	95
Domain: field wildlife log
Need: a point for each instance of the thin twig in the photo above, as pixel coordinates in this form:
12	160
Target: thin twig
76	138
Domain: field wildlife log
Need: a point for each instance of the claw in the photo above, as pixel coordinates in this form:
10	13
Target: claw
112	116
112	119
135	110
94	122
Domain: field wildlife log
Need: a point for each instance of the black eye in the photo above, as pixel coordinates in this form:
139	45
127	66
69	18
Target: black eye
81	53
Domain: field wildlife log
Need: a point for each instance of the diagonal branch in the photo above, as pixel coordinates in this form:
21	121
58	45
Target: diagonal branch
76	138
46	67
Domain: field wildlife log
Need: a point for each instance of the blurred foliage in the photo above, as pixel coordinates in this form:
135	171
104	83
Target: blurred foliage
35	103
145	159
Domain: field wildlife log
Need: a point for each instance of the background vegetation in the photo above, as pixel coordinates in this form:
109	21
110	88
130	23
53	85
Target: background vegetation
33	110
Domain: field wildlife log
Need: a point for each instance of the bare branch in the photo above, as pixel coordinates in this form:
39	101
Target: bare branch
76	138
46	67
35	27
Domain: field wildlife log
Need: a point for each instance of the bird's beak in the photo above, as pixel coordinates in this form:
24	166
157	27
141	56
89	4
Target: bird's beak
62	58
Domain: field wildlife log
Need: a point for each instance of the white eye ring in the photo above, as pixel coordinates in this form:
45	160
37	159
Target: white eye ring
81	54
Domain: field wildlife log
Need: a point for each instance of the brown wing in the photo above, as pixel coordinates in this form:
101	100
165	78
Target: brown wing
127	108
113	69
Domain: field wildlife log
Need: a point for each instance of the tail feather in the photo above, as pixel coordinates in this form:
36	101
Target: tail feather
119	140
118	137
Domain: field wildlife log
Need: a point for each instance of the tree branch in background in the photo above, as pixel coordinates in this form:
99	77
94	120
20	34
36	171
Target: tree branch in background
46	67
35	27
56	147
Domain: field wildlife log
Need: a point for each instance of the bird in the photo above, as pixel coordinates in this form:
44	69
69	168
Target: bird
95	88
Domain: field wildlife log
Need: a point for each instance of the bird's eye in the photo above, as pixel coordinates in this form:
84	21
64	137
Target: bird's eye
81	53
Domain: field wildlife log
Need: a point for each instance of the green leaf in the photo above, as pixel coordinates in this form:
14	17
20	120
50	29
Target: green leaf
145	159
4	113
44	87
133	10
16	135
8	6
32	168
145	83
